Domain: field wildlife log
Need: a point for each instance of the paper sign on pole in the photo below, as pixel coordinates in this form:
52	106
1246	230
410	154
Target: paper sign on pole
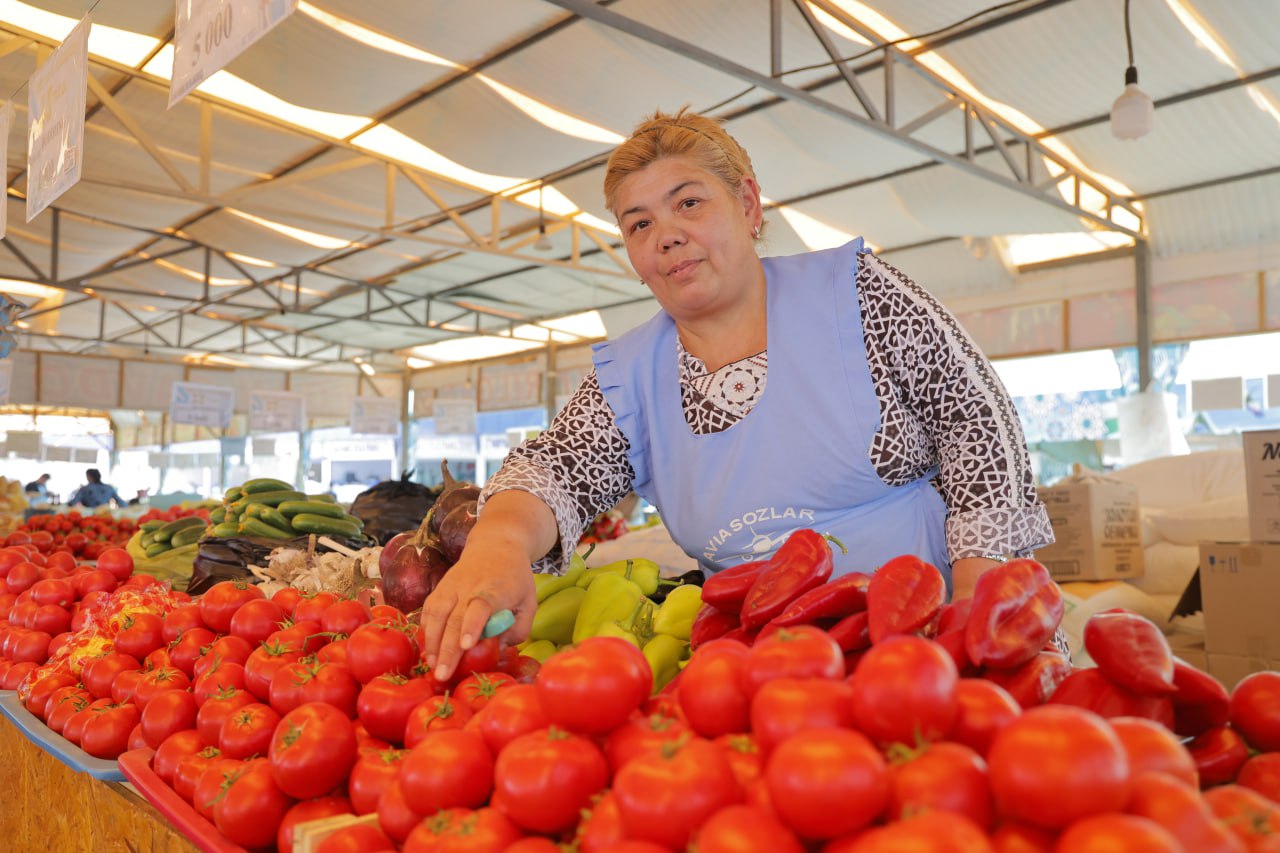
201	405
456	416
277	411
208	34
6	381
55	120
375	416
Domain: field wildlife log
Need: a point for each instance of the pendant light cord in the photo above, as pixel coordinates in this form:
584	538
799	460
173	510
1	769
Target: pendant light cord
1128	36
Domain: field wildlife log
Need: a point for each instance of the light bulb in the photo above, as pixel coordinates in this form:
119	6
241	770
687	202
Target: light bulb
543	243
1133	111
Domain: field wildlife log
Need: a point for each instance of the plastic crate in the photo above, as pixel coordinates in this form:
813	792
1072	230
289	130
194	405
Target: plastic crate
136	765
55	744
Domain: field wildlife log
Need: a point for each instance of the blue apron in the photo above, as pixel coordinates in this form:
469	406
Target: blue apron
800	458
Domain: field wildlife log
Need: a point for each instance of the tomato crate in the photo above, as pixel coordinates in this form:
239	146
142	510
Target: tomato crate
55	744
136	767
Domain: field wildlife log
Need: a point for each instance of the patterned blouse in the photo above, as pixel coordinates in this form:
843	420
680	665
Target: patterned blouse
941	404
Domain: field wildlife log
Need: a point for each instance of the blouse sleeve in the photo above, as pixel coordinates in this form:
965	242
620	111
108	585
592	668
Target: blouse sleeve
969	425
578	467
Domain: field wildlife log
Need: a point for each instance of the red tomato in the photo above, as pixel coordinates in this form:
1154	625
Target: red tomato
335	652
1057	764
437	713
312	750
252	807
481	831
387	613
62	707
311	607
641	734
905	690
247	731
122	689
1151	746
1118	832
710	689
1252	817
344	617
156	682
514	711
309	810
543	780
170	754
42	539
929	831
106	731
262	665
482	657
448	769
98	580
302	681
594	686
221	602
100	673
826	783
784	706
982	709
37	699
257	619
394	815
477	689
61	696
62	561
59	591
945	777
803	651
375	649
52	619
181	619
1261	773
533	844
116	561
745	758
209	784
218	677
738	829
222	651
75	725
157	659
18	671
218	708
140	634
373	772
360	838
304	636
1255	710
287	598
22	577
169	712
385	703
1178	808
187	649
664	796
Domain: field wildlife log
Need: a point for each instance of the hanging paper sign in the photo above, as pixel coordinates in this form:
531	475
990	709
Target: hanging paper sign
454	416
277	411
201	405
375	416
6	381
55	120
208	34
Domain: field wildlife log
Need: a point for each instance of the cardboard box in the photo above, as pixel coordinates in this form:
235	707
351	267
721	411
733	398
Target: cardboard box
1096	524
1189	648
1262	483
1240	589
1231	669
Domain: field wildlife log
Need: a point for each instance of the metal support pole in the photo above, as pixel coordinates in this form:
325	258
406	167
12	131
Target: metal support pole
53	245
1142	305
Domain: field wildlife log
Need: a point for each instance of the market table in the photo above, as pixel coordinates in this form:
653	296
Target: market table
46	805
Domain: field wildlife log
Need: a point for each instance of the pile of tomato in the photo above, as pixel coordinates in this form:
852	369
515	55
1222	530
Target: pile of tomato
87	536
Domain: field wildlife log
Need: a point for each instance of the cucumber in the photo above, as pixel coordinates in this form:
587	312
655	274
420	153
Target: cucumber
265	484
314	507
268	498
153	525
164	534
233	494
268	514
226	528
323	496
217	515
308	522
147	538
258	527
186	536
157	549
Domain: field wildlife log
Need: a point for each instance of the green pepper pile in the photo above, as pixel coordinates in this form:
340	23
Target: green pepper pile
272	509
614	601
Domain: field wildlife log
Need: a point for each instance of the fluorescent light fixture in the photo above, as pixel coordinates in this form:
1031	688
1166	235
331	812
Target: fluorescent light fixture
593	221
548	116
214	281
1068	373
418	363
553	201
384	140
250	261
814	233
311	238
107	42
26	288
472	348
1027	249
1210	41
837	27
585	325
372	38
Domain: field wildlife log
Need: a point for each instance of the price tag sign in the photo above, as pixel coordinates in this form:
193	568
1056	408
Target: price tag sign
55	120
201	405
455	416
208	34
277	411
375	416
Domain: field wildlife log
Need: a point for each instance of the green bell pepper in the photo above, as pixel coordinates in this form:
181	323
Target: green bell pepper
555	618
610	598
675	616
548	585
646	574
664	653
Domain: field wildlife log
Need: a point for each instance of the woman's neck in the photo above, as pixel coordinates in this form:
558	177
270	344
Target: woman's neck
730	335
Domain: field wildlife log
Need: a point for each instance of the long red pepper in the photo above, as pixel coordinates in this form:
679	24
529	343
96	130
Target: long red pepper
1200	704
835	599
852	633
1130	651
727	589
803	562
1033	682
904	596
710	623
1016	609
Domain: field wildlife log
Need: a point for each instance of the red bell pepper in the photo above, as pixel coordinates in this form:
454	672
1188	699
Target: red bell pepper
837	599
1200	703
852	633
711	622
803	562
953	642
905	594
1091	689
1016	609
1219	754
954	616
1130	651
727	589
1033	682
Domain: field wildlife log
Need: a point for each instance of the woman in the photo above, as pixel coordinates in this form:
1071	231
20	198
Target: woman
873	391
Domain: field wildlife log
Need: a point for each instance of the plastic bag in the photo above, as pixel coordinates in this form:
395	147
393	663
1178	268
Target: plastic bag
173	566
392	507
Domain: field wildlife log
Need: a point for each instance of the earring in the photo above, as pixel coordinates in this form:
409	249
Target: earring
756	232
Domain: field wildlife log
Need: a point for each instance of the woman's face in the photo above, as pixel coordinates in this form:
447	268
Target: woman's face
689	237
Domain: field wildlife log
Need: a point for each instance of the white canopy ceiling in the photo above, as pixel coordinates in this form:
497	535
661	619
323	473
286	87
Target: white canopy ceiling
365	179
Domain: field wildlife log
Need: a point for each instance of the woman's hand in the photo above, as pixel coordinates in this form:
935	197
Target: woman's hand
965	573
494	573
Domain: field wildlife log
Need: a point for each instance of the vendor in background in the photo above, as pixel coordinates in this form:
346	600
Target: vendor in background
38	489
882	423
94	493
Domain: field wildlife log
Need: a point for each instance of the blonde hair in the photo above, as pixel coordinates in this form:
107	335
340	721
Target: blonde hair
685	134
